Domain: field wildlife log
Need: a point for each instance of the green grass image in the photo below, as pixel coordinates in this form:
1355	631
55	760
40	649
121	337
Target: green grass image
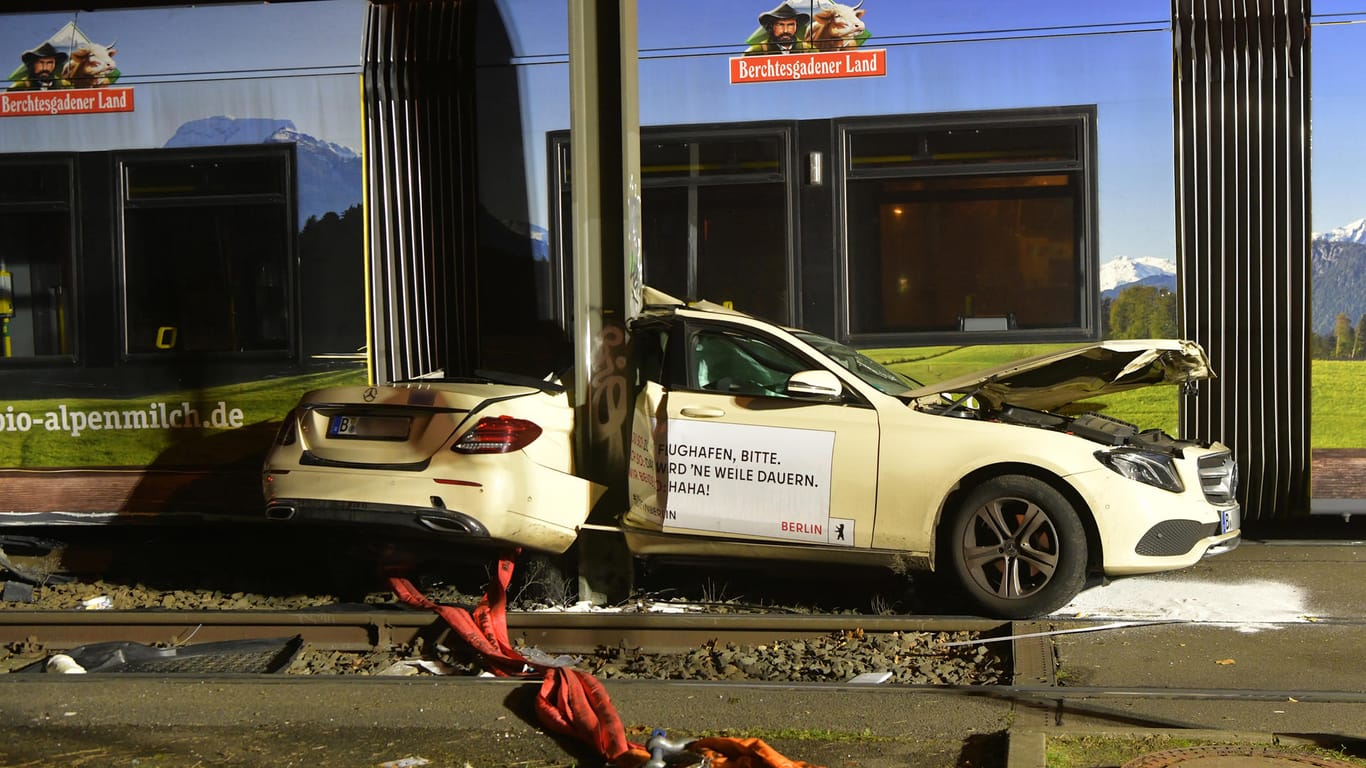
1336	418
76	432
48	442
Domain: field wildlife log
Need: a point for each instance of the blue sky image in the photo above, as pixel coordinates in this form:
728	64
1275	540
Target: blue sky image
942	56
947	55
203	61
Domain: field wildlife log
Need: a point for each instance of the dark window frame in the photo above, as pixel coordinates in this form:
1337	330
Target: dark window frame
787	175
1083	166
286	200
68	204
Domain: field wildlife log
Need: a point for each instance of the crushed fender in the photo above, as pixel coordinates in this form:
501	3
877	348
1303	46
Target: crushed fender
570	702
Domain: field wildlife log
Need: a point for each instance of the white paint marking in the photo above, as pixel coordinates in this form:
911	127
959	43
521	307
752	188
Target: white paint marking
1247	606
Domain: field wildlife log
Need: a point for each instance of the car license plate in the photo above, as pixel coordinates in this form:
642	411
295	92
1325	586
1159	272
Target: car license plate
1228	520
369	427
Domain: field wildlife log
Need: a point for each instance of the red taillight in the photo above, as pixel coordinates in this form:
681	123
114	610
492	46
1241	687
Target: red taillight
498	434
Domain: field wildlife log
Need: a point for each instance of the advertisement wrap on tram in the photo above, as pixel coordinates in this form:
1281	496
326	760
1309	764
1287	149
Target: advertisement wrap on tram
176	186
944	185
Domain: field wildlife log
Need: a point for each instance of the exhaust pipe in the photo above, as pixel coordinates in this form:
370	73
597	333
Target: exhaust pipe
279	512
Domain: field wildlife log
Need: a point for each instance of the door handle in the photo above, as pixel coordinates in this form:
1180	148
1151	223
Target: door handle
703	412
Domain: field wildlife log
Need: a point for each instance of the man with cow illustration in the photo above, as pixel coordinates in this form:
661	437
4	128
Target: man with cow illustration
826	26
781	30
42	70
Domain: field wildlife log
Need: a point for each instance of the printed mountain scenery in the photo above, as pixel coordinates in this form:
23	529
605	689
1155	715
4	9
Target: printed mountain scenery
331	229
1337	261
329	174
1138	298
1123	272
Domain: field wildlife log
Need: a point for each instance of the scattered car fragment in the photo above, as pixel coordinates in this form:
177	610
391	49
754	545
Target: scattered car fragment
257	656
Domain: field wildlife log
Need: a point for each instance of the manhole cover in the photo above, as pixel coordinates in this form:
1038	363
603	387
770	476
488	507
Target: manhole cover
1231	756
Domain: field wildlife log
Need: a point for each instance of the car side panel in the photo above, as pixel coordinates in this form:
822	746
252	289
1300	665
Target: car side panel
925	458
754	467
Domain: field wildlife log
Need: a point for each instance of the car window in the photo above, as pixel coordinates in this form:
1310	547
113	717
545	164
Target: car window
649	346
859	364
734	363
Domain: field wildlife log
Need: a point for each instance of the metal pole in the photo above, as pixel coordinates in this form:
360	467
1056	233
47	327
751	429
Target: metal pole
605	205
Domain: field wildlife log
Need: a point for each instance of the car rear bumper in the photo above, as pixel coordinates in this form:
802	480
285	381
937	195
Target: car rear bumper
424	519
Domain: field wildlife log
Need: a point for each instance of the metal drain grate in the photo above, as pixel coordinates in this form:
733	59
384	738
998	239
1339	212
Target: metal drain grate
226	657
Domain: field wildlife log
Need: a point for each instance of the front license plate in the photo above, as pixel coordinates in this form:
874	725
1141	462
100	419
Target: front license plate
369	427
1228	520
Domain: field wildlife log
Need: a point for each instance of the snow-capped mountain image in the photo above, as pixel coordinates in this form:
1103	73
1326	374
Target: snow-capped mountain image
329	174
1337	267
1355	232
1124	271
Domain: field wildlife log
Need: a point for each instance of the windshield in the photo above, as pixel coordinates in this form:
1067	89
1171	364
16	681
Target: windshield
860	365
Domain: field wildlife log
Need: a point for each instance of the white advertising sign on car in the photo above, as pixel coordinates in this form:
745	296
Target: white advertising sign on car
763	481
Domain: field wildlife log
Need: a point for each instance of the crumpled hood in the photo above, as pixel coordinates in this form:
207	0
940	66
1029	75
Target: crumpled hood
1056	379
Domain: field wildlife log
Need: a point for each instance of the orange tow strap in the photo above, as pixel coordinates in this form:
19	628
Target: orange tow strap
571	702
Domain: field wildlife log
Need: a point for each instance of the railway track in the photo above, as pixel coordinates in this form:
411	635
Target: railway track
637	635
1024	646
371	630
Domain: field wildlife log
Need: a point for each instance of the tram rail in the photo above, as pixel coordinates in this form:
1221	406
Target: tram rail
1025	648
371	630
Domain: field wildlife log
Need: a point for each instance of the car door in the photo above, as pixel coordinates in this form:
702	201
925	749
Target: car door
721	449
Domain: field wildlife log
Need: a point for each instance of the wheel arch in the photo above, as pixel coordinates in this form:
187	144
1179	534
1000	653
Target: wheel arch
1094	554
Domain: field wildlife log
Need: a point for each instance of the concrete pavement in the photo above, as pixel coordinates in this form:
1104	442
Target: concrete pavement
1266	643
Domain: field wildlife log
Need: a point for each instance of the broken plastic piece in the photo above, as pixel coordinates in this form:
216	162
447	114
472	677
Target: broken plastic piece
230	656
410	667
64	664
18	592
406	762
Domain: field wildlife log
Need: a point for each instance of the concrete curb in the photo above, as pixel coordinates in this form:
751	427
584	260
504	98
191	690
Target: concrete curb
1028	747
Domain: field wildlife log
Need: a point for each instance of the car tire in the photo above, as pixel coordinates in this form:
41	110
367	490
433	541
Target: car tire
1016	547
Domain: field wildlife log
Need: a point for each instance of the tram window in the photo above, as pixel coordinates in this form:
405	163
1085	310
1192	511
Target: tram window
955	229
967	145
36	259
715	217
733	236
937	251
207	249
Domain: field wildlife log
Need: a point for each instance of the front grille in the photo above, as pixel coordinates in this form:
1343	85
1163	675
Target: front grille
1218	477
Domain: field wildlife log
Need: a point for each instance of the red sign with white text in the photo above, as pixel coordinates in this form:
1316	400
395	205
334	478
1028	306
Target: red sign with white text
826	65
65	101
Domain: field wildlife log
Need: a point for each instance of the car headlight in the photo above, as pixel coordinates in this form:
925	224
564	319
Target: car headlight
1147	467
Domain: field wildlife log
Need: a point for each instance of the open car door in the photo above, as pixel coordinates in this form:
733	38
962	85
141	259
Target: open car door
722	448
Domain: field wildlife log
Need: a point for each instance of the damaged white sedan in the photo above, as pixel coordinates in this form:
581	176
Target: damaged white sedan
750	440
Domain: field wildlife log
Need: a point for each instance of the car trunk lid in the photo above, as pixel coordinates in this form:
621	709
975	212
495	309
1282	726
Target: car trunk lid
399	426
